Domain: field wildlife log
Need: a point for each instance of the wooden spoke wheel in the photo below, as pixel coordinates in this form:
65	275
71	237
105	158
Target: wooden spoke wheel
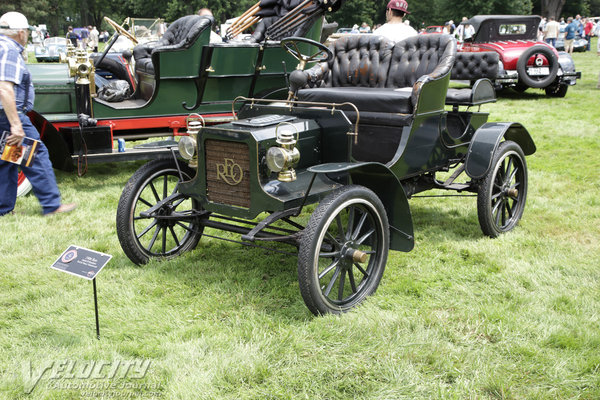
502	194
171	229
343	251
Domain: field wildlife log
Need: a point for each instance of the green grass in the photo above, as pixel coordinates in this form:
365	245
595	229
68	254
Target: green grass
461	316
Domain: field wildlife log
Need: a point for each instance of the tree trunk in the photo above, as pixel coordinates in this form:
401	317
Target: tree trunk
552	8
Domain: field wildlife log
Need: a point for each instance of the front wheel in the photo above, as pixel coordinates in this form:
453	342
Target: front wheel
343	250
502	193
168	231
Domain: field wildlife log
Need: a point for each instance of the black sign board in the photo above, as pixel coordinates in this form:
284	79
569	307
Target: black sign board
81	262
84	263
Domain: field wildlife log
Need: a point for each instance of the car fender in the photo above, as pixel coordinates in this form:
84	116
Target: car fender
58	149
486	140
378	178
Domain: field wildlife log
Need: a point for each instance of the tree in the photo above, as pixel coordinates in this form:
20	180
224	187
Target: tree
552	8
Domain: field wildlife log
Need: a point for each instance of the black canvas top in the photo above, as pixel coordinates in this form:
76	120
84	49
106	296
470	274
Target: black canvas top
487	27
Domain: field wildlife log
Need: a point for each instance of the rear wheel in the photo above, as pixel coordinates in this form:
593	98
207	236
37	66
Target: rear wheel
171	230
502	194
557	90
343	250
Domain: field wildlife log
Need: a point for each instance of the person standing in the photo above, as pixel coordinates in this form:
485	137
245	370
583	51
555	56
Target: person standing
93	44
394	29
551	31
85	34
16	99
570	31
588	27
72	36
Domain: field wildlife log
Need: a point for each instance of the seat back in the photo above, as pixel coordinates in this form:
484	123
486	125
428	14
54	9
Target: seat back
182	33
420	55
359	60
475	65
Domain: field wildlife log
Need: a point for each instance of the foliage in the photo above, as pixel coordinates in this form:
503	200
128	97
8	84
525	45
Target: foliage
59	14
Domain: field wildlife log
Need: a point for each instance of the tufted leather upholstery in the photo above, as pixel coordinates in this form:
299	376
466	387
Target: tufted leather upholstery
181	34
471	65
420	55
386	72
359	60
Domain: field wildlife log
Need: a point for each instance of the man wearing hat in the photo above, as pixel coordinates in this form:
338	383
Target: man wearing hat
16	99
394	29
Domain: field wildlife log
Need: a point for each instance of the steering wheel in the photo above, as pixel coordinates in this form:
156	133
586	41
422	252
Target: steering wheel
120	30
291	46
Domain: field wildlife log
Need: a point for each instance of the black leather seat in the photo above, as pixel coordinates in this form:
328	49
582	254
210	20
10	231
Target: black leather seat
181	34
479	68
377	75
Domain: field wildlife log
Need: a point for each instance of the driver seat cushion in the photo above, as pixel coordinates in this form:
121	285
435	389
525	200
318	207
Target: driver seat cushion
181	34
383	100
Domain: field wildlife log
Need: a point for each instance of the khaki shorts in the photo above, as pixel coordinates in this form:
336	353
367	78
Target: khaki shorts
569	45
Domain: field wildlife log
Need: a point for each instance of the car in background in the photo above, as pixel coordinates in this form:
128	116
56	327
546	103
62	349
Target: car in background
579	43
524	62
51	49
433	29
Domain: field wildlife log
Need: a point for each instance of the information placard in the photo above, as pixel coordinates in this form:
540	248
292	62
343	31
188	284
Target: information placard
81	262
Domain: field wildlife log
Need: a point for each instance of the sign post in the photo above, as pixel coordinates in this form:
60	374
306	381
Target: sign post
84	263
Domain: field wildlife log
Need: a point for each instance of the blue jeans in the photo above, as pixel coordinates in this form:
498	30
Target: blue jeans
551	41
40	174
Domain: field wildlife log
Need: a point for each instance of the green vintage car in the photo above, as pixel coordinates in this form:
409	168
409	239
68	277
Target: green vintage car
372	124
183	72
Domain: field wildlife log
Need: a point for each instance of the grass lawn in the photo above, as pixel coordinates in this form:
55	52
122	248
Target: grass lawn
461	316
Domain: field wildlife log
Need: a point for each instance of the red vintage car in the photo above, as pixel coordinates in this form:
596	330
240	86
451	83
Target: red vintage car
524	61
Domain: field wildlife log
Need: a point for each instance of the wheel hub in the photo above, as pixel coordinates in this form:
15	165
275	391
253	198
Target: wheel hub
165	211
351	255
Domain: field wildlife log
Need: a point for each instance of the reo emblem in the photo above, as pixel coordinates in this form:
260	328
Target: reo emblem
229	172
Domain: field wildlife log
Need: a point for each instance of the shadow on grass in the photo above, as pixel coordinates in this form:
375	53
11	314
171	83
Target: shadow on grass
531	93
448	224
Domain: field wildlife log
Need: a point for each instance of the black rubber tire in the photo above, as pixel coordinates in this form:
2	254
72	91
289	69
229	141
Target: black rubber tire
520	88
557	90
327	243
498	208
141	193
537	82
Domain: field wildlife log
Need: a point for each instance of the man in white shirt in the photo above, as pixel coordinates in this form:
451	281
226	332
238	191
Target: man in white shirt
394	29
551	31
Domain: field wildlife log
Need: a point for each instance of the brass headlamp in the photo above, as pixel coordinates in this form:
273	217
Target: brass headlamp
79	66
187	144
284	158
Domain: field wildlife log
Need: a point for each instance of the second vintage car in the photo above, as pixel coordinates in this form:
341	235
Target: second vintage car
184	71
524	62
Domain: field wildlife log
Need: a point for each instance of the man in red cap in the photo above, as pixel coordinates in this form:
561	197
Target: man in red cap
395	29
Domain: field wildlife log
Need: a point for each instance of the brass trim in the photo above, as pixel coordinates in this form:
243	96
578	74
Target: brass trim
333	106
